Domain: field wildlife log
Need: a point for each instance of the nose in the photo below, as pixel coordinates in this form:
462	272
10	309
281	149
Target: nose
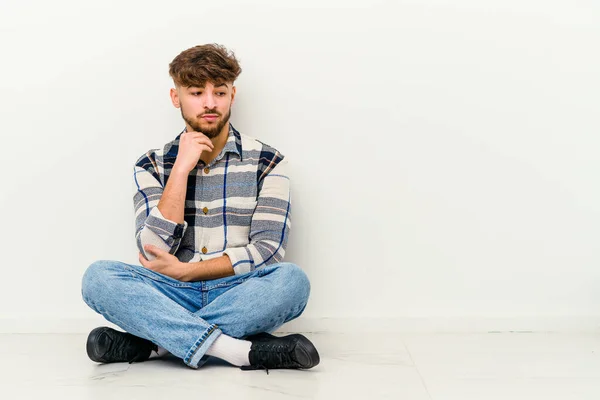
209	101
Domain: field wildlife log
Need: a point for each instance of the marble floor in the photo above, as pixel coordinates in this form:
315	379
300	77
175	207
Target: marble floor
353	366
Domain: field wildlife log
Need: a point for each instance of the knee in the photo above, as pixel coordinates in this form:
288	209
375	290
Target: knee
94	280
295	282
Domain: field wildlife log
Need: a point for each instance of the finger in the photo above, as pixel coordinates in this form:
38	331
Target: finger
145	263
203	147
155	251
197	135
149	249
206	141
152	249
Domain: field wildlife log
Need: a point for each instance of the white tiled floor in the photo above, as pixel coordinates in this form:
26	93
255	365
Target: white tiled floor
353	366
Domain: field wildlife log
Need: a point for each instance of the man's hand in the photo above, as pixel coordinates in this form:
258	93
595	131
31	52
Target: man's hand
166	264
191	146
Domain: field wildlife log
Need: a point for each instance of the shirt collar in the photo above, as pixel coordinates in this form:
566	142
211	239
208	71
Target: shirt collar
233	144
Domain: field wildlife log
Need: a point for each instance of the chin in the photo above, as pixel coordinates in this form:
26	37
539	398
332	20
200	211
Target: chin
211	133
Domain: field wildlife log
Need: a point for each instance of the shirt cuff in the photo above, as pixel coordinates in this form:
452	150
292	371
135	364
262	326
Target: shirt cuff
170	231
241	260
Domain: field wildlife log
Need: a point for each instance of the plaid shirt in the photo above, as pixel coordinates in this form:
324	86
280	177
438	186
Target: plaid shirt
237	205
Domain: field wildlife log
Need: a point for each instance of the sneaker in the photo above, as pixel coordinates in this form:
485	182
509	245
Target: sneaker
273	352
106	345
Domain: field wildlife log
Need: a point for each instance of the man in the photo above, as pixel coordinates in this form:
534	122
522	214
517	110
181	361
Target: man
212	216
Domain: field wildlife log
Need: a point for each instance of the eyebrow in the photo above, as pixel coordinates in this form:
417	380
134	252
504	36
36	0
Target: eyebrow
203	87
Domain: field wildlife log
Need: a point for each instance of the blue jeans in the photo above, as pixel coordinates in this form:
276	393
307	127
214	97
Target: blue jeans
187	317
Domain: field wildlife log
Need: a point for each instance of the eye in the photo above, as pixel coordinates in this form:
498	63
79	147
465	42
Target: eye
196	93
221	93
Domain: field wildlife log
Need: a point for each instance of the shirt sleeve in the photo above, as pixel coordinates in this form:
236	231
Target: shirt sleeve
151	227
270	226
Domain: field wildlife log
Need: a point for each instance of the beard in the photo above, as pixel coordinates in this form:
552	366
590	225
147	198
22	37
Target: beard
213	129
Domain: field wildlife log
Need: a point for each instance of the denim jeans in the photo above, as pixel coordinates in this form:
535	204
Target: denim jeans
185	318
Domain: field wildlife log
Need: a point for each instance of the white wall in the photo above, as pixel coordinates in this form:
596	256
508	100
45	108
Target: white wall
444	153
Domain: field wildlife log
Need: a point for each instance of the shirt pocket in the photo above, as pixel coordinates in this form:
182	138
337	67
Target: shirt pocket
238	217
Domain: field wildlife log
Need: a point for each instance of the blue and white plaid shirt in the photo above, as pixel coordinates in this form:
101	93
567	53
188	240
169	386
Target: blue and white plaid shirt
237	205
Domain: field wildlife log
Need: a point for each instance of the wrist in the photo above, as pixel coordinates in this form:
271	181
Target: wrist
188	269
179	170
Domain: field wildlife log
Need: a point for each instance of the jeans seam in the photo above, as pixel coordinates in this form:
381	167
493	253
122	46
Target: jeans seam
198	344
158	278
227	284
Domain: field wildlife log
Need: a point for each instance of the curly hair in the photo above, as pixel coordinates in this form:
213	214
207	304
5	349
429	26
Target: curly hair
199	64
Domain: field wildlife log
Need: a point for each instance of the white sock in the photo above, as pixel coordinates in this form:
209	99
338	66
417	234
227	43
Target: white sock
232	350
161	352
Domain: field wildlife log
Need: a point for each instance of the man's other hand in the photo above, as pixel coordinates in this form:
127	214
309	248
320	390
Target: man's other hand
165	263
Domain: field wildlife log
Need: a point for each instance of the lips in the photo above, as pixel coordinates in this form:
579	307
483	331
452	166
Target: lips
210	117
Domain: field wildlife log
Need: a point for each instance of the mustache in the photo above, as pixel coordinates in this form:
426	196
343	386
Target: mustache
210	112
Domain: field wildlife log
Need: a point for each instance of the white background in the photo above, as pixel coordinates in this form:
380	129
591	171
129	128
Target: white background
444	154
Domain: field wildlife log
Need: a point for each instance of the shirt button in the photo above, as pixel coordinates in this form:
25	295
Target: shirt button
205	210
204	250
206	170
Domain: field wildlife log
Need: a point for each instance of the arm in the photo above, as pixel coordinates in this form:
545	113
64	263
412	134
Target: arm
268	236
170	265
158	211
172	201
270	226
214	268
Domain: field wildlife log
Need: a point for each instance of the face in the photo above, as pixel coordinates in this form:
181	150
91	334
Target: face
205	109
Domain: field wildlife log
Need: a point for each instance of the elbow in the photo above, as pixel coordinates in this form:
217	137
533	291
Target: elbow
145	237
271	252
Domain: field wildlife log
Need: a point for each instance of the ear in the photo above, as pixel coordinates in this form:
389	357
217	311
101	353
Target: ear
174	97
232	94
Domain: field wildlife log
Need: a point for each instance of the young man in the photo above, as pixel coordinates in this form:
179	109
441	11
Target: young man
212	216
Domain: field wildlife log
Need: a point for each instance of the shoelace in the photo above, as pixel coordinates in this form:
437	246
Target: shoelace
136	358
140	355
122	347
263	367
277	354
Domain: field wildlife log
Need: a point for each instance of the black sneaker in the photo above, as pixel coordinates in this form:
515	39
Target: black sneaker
272	352
106	345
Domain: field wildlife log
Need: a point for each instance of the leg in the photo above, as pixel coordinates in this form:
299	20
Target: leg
260	301
152	306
